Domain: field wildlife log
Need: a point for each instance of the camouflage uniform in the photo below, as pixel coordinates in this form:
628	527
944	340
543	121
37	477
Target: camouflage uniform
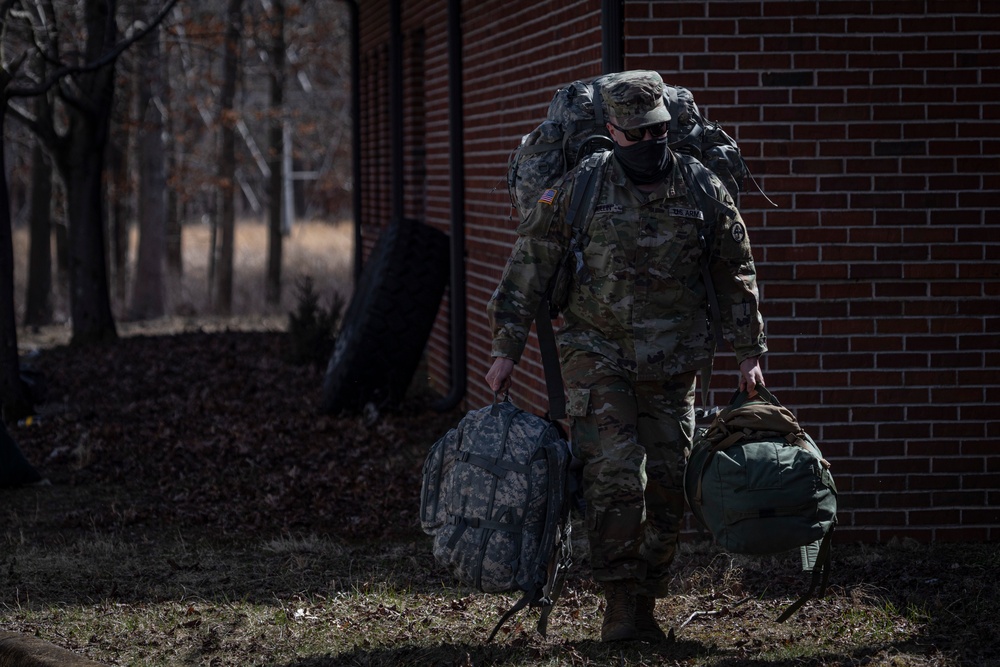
634	333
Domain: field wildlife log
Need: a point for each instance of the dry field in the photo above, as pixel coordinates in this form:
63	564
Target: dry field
320	250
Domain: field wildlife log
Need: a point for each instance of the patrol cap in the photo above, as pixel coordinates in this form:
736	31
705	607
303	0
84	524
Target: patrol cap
635	99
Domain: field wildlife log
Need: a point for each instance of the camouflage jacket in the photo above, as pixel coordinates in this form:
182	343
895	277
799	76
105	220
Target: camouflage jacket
641	302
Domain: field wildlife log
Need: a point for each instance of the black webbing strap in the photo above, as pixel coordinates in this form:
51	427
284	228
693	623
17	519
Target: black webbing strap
557	578
820	577
713	303
518	606
465	523
700	184
550	361
562	557
598	100
585	188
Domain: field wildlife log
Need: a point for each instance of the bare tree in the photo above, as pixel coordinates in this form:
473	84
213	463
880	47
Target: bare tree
38	299
277	152
148	288
13	399
227	161
76	135
79	155
309	63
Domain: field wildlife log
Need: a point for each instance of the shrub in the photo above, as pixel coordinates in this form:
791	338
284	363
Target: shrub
312	330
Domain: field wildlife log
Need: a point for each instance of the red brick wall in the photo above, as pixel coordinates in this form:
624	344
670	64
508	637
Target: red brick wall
511	73
872	126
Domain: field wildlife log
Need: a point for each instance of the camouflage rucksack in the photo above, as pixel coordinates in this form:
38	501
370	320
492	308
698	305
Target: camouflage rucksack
495	497
575	127
760	484
575	133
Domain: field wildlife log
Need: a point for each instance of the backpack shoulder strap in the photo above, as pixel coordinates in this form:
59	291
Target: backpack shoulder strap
699	181
586	190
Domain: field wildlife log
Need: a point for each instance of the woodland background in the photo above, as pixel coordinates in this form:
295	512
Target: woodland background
129	126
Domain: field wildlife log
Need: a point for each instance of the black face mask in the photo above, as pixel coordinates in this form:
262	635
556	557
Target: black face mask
646	161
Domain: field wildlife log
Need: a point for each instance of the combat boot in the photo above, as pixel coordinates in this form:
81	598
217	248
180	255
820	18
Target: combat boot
647	629
619	614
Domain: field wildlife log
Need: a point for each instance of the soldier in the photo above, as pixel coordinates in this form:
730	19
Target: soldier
635	330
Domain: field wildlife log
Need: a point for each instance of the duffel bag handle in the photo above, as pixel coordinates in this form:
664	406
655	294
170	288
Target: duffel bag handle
741	397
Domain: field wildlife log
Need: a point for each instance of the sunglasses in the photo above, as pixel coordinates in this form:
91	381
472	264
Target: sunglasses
656	131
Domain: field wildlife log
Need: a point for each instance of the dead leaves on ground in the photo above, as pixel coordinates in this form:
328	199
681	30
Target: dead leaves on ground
217	430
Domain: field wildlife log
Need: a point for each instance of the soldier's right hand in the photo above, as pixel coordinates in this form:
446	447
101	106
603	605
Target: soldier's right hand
498	377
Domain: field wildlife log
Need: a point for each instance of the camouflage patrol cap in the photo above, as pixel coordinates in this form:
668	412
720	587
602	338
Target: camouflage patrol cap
635	99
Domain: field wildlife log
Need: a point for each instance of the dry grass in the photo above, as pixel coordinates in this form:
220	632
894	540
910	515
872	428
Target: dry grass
320	250
309	600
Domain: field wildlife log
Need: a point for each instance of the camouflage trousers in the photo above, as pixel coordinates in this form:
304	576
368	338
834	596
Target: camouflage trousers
630	437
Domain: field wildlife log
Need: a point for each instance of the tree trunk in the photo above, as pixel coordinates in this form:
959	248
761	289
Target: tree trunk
276	154
90	302
148	287
38	300
81	164
174	231
120	190
13	402
227	162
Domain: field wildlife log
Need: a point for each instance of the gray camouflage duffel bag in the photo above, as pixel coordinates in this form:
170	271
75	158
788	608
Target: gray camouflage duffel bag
495	498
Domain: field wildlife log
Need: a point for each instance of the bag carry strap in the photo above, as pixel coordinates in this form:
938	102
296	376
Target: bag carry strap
713	302
550	361
741	397
820	577
518	606
562	557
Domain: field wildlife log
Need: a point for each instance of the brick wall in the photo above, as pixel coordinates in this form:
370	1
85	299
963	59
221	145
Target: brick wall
872	126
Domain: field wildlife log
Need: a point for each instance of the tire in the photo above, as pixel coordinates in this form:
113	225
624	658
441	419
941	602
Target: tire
14	468
389	319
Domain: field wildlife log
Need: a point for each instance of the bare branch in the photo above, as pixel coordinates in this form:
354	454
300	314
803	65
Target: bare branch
42	18
106	59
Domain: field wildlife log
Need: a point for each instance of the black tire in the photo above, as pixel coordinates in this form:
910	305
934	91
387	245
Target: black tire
389	319
14	468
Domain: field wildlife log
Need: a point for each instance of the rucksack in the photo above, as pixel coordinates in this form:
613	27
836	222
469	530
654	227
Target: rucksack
760	485
574	133
575	127
495	497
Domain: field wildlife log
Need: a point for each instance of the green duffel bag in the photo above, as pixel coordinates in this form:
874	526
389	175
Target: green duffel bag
760	485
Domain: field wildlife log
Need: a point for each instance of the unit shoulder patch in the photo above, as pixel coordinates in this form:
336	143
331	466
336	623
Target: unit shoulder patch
739	232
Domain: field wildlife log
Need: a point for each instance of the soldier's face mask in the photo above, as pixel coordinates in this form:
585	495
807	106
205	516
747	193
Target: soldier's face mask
645	162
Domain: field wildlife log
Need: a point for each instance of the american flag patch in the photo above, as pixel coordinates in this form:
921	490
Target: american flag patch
547	197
